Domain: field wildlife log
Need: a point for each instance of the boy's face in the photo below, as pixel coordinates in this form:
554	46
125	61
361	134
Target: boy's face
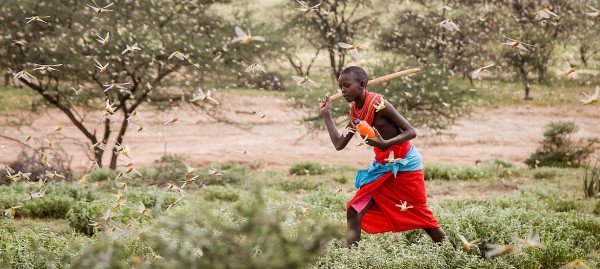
351	88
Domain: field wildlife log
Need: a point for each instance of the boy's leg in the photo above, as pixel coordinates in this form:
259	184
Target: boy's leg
436	234
354	219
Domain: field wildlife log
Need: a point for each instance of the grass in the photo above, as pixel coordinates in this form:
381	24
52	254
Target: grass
498	92
306	211
14	99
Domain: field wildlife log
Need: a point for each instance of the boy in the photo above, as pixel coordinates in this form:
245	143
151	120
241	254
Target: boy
391	195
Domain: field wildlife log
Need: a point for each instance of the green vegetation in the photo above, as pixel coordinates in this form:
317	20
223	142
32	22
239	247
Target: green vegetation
557	149
273	219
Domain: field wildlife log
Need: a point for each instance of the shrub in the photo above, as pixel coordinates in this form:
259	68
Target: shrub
223	193
448	172
53	207
258	238
35	247
591	180
151	197
557	149
82	213
546	172
30	161
341	179
102	174
294	184
307	168
233	174
597	208
269	81
170	168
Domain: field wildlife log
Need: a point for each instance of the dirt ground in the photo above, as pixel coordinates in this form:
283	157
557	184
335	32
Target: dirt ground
278	140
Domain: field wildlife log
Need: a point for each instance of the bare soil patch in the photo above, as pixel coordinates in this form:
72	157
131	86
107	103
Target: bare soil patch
280	139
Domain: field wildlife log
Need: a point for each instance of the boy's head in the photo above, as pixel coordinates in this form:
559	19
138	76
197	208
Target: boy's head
359	74
352	81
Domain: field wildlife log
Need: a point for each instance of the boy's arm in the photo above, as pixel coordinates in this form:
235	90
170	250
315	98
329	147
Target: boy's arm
407	132
339	141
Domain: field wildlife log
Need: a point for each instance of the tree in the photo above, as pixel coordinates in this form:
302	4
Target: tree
69	37
544	34
416	32
335	21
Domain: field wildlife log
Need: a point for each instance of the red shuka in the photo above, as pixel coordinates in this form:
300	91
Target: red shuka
388	191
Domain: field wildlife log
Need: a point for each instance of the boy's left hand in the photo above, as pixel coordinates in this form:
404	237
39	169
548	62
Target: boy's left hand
378	141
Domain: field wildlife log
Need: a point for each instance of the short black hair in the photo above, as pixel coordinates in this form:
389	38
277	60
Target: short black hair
358	72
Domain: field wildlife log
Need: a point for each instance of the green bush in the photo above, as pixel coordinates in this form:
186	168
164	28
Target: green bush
597	208
102	174
83	213
151	197
558	150
233	174
546	172
341	179
307	168
223	193
294	184
170	168
53	207
567	235
34	247
448	172
591	180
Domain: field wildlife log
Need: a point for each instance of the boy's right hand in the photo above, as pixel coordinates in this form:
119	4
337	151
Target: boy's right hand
325	105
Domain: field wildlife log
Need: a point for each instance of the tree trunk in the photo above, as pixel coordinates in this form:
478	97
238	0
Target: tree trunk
583	55
525	79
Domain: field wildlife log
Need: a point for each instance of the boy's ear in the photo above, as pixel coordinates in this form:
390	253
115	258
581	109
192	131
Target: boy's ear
363	84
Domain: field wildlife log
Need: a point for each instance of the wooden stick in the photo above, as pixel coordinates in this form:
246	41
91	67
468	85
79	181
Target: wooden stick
382	79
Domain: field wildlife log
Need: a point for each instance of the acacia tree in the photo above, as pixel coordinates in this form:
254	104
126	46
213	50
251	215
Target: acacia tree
416	33
544	34
68	37
335	21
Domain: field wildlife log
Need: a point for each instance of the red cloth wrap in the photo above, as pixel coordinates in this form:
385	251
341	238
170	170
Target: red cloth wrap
388	191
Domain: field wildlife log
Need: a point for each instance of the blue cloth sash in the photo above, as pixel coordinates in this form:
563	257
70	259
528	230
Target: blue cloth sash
411	162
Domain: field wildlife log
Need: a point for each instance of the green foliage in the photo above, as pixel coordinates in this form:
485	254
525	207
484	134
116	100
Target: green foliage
349	22
102	174
34	247
55	207
58	200
546	172
83	213
449	172
429	44
151	197
69	37
222	193
486	170
426	99
269	81
258	239
297	183
307	168
233	174
597	208
170	168
591	180
340	179
494	221
558	150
